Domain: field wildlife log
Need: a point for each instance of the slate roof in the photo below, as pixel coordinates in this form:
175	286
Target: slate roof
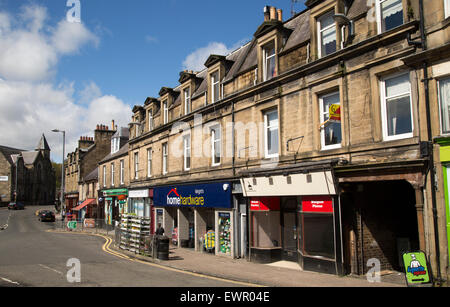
8	152
43	145
92	176
122	151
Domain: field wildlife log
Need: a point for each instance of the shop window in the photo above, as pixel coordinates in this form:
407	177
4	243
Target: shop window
271	134
396	107
265	229
318	235
269	61
316	230
326	30
215	87
331	131
444	99
389	14
224	233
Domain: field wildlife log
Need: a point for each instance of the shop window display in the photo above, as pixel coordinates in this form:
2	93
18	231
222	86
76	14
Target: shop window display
224	233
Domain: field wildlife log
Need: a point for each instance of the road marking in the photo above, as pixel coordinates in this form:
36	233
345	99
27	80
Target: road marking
10	281
106	249
49	268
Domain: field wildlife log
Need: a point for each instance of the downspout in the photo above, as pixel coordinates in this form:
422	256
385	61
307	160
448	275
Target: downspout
431	169
233	159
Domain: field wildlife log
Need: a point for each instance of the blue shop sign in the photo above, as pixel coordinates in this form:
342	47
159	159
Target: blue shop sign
211	195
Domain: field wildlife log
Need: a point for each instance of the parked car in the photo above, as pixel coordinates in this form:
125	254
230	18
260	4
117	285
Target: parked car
16	206
46	216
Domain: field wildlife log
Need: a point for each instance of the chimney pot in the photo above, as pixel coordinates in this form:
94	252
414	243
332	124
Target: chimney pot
280	15
273	13
266	13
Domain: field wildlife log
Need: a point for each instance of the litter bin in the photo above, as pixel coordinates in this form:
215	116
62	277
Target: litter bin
162	247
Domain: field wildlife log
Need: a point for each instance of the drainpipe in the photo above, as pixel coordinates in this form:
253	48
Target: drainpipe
430	138
233	159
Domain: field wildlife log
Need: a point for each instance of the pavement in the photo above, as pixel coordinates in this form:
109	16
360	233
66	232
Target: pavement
278	274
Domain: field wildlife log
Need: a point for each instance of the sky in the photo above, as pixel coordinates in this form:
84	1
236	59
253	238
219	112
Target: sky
71	70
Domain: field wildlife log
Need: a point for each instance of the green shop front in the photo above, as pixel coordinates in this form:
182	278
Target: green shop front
444	152
115	204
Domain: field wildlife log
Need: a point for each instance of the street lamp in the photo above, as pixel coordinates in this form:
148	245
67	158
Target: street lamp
62	167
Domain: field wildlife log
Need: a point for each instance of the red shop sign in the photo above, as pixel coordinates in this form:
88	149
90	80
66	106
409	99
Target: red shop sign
265	204
321	204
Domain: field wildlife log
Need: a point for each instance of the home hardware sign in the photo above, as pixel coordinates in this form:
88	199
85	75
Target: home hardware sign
214	195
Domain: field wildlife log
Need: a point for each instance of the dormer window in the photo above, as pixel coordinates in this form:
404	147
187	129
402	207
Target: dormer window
326	30
187	101
115	145
389	14
165	112
269	63
150	120
215	87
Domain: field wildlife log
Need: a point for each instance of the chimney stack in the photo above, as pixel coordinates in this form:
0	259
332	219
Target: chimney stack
266	13
113	125
280	15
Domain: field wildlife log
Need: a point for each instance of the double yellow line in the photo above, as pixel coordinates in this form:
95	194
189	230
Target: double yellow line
106	248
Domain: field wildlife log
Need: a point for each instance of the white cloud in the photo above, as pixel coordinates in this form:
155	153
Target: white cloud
30	50
30	104
151	39
196	60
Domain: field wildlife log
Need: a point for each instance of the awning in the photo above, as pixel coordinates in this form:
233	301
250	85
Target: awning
115	192
84	204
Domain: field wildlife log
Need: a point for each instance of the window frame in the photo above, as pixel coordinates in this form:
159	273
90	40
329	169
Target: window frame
136	165
320	30
112	174
213	84
150	120
122	172
186	151
266	128
213	145
165	158
379	16
104	176
165	110
383	100
322	120
266	58
149	162
444	78
446	9
187	100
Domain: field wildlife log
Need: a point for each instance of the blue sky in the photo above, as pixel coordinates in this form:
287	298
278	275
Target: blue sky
123	52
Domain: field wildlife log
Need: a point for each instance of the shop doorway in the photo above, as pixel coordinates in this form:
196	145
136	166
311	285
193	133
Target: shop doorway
379	221
288	221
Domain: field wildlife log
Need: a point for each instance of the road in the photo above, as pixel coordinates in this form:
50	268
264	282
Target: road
32	256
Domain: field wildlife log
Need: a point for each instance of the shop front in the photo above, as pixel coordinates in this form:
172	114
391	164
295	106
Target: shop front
115	205
140	203
444	154
197	216
294	216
